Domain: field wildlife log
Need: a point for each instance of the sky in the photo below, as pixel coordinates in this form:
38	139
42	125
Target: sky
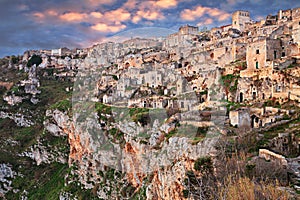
50	24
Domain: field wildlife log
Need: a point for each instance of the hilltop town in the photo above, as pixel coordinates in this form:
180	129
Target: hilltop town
193	94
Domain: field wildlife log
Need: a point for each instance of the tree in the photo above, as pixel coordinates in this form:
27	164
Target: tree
35	59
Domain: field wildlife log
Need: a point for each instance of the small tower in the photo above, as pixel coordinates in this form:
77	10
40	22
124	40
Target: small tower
239	19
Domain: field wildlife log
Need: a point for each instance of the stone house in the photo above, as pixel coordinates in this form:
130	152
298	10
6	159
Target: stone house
262	50
284	15
107	99
152	79
239	19
296	31
187	29
133	60
240	118
296	13
122	90
254	90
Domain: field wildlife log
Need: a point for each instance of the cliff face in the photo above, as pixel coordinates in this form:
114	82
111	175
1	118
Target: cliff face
160	170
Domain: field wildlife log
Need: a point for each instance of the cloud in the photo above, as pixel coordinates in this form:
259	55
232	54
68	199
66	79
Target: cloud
96	14
136	19
219	14
73	17
130	4
51	12
102	27
99	2
207	21
166	3
259	18
200	11
23	7
223	17
150	15
191	15
119	14
38	15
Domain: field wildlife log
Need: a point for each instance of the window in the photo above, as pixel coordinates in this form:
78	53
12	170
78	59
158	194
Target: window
283	54
256	65
275	54
257	51
182	104
254	95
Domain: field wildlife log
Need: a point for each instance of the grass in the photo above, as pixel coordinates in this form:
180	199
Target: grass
44	181
171	134
230	82
63	105
41	182
245	188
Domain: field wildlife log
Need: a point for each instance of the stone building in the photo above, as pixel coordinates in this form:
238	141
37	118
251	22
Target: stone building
240	118
187	29
295	13
296	31
239	19
286	144
181	86
152	79
262	50
284	15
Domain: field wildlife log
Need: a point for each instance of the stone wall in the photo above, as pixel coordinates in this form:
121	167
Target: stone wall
256	54
296	31
269	155
240	118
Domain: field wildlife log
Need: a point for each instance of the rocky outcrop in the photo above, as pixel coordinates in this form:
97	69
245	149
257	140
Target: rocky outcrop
6	175
32	83
56	121
18	118
45	154
91	151
13	99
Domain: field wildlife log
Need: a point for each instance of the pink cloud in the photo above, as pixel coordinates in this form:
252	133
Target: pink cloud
73	17
96	14
191	15
102	27
100	2
117	15
166	3
200	11
136	19
130	4
223	17
51	12
207	21
150	15
38	15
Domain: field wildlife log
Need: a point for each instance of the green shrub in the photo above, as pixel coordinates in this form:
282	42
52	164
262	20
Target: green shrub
203	164
35	59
